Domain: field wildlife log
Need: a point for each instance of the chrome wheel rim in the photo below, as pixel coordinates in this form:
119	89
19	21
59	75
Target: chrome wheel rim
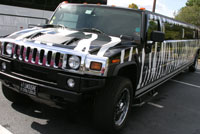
122	107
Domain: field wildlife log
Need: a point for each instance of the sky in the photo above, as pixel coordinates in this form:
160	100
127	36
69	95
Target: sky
165	7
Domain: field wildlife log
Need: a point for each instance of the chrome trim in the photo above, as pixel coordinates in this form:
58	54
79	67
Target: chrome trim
86	58
103	60
64	61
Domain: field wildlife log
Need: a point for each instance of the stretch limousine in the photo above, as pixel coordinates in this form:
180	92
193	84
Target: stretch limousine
109	55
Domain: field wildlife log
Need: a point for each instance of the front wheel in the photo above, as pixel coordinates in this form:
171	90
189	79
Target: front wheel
112	105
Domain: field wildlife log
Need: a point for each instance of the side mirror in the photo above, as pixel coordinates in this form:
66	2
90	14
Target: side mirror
157	36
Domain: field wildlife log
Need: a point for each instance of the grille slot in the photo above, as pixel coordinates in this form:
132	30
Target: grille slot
49	56
34	54
41	57
15	51
21	53
57	59
28	50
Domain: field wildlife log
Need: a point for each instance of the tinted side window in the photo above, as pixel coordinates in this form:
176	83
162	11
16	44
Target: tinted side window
189	33
173	32
153	26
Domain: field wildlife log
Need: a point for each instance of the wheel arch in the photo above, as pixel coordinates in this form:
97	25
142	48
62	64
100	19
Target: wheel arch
128	70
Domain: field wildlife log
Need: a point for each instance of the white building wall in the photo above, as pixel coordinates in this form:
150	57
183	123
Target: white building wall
10	24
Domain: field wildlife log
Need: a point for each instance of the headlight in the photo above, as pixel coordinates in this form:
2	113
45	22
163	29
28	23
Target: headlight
9	49
74	62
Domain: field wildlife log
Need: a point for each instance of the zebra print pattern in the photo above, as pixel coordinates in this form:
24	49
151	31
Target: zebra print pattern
172	55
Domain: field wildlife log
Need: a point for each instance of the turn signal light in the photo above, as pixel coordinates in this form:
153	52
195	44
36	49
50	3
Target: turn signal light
95	66
116	61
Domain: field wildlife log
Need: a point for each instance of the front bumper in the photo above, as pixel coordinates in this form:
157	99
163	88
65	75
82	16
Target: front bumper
51	90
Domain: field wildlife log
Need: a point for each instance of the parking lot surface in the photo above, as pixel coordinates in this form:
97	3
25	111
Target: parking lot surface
175	110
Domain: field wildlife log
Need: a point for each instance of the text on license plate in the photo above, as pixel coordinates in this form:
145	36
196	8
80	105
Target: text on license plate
28	88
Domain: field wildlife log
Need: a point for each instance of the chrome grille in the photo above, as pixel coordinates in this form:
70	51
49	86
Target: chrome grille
38	56
22	51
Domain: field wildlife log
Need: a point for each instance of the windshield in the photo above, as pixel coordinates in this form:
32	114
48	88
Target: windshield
111	21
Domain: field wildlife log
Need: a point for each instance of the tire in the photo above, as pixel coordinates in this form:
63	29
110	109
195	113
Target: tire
194	66
13	96
115	98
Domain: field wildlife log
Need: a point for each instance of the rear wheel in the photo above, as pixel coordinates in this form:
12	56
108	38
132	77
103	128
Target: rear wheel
13	96
194	66
112	106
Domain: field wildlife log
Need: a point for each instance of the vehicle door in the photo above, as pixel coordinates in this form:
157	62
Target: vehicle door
152	57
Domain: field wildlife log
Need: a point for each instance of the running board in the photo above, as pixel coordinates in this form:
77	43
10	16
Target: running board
145	99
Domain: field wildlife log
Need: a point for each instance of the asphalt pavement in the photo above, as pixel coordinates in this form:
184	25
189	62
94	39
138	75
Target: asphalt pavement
175	110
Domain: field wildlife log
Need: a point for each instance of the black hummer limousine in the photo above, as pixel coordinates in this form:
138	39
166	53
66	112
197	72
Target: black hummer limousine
114	55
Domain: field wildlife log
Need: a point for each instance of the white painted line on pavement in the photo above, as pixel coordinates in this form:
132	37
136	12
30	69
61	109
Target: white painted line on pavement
155	105
185	83
4	130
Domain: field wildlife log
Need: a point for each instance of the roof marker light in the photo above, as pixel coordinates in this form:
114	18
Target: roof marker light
85	3
65	2
142	8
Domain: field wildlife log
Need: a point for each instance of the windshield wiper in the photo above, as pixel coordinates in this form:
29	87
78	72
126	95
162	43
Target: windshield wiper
92	30
52	26
126	37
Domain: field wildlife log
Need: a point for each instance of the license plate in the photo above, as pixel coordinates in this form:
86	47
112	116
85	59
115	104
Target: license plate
28	88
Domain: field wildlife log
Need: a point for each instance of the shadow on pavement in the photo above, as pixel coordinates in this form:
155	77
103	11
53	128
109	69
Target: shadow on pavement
59	121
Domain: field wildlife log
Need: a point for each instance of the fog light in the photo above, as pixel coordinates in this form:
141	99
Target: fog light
3	66
71	83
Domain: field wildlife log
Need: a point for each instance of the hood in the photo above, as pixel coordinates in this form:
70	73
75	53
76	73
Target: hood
66	38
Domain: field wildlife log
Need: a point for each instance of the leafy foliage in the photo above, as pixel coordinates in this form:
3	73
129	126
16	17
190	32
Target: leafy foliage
193	2
190	13
134	6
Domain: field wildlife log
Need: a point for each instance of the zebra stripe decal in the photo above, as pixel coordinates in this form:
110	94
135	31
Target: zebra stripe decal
122	56
32	32
114	41
142	67
84	45
171	56
130	54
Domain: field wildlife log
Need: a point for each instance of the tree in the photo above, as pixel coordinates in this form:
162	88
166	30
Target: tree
193	2
134	6
190	13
